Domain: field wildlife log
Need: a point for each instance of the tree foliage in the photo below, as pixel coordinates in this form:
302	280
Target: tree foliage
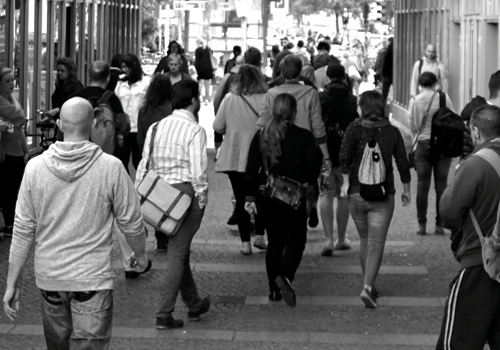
300	8
150	28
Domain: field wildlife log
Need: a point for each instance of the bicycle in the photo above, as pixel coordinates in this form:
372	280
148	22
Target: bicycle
45	125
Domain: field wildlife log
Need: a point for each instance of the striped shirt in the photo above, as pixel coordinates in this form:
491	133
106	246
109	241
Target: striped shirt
179	152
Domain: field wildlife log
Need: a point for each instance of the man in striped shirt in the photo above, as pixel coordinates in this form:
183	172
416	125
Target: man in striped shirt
180	158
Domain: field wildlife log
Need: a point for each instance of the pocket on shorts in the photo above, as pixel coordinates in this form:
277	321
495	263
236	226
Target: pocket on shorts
95	301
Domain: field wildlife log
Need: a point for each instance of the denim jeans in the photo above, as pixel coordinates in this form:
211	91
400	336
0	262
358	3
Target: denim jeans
372	220
178	272
287	235
440	167
77	320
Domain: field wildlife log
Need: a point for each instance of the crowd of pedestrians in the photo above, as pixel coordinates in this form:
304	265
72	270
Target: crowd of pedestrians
302	137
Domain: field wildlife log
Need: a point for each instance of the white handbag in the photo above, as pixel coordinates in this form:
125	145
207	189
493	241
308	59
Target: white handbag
163	206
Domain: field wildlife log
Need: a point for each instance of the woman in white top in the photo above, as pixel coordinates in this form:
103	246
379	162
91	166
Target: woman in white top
237	120
424	165
131	93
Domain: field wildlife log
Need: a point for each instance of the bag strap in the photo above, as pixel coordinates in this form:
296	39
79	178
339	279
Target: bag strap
491	157
421	64
249	105
442	99
264	160
151	146
106	96
424	121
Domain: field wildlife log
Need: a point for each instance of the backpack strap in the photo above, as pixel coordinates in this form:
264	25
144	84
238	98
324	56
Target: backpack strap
421	64
106	96
494	159
424	121
442	99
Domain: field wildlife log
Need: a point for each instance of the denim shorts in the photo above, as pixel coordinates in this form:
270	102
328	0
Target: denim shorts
333	184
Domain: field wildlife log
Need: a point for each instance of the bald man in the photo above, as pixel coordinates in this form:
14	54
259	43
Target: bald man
99	74
68	200
429	63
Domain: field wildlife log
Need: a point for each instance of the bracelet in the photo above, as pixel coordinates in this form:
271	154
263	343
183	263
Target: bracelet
326	158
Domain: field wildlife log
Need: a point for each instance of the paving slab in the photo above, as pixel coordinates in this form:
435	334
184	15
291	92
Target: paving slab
197	334
6	328
348	301
238	242
260	268
126	332
302	337
27	330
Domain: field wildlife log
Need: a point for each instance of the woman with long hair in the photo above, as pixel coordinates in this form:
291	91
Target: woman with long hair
131	93
288	151
67	84
427	102
14	147
372	218
237	120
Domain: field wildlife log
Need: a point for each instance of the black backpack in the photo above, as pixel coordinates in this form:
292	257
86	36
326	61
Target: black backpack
447	132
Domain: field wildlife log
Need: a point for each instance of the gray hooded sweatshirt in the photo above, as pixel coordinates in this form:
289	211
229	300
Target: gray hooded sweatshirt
67	202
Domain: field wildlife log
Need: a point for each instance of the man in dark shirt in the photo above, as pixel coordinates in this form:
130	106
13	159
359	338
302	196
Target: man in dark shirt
232	62
99	73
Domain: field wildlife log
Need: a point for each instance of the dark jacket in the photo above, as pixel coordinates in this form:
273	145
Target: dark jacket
339	110
62	93
148	118
203	63
475	186
299	160
94	93
469	108
387	69
391	143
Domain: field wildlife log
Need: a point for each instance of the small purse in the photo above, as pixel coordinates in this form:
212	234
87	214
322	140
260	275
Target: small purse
281	188
411	155
163	206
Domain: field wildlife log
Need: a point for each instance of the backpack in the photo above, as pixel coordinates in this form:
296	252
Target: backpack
490	244
371	173
104	131
447	131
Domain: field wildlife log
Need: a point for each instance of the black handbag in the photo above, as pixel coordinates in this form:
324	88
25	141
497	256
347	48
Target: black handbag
281	188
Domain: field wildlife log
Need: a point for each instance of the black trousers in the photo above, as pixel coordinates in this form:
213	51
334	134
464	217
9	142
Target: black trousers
386	86
287	234
244	222
472	312
218	138
130	145
11	175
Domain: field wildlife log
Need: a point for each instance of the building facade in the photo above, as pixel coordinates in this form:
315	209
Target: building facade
34	33
466	37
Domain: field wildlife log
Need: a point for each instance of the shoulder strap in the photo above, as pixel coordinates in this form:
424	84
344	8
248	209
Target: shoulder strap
264	160
151	146
442	99
424	121
494	159
249	105
420	66
106	96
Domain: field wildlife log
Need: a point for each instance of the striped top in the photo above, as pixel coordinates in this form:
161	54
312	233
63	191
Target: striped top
179	152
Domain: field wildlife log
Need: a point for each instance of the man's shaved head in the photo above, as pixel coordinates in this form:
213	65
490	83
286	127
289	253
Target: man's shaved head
239	60
487	120
99	71
77	117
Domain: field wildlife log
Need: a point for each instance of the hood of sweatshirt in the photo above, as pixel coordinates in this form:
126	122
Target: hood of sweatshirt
337	89
295	89
69	161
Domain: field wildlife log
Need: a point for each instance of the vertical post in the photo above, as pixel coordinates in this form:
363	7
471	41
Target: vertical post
187	18
166	29
265	27
244	30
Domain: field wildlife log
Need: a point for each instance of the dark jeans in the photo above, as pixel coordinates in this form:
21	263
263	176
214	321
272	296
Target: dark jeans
77	320
287	234
129	145
178	276
244	223
372	220
440	167
11	176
